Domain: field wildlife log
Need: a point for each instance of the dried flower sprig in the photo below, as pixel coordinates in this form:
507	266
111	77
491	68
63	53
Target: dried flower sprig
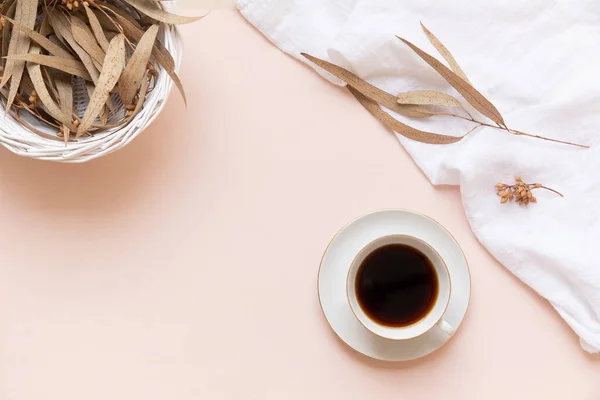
417	104
73	5
520	192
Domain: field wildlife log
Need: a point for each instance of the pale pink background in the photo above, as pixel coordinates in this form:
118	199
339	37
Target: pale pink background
184	266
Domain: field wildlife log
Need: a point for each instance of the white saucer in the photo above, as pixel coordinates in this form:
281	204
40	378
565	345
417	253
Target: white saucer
334	270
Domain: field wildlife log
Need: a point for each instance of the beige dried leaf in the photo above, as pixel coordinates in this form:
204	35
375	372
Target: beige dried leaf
104	115
108	24
397	126
137	65
35	73
428	97
444	52
64	87
151	9
10	12
25	14
62	27
45	27
69	66
160	53
111	71
90	87
164	58
66	134
370	91
142	96
96	28
57	32
85	38
43	41
476	99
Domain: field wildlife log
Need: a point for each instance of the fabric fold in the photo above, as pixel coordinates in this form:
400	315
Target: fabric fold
537	63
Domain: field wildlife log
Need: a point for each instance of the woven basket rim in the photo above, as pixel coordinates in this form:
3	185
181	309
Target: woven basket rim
22	141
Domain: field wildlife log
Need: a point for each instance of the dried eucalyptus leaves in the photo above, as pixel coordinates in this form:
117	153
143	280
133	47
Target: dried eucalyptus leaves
420	103
55	51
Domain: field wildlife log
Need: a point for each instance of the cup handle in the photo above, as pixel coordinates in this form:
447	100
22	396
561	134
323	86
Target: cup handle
446	327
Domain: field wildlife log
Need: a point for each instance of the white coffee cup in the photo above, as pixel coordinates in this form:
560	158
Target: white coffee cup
433	319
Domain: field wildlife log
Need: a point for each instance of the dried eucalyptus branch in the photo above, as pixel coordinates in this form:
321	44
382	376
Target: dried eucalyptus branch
520	192
417	104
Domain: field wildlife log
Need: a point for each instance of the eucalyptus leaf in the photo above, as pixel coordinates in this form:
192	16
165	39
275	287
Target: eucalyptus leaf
428	97
97	28
64	86
137	65
67	65
35	73
86	39
62	26
399	127
444	52
111	71
10	12
42	40
25	14
370	91
159	52
476	99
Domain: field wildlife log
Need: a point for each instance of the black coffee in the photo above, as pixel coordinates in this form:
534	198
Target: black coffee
396	285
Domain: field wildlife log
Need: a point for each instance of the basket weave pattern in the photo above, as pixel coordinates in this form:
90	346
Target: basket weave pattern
20	140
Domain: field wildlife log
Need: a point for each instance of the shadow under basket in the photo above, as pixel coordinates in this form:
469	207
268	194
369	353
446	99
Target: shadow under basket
21	140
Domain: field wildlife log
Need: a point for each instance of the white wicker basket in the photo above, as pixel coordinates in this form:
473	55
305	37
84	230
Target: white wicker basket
22	141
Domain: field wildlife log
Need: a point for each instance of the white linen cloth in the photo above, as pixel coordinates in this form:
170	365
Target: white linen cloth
538	62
